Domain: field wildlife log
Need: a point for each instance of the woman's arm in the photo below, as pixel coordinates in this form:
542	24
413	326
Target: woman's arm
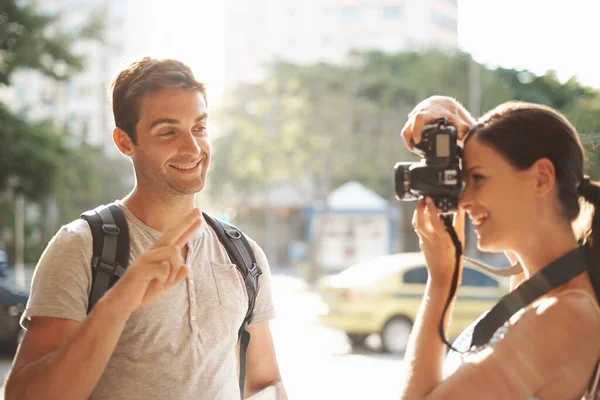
425	352
550	352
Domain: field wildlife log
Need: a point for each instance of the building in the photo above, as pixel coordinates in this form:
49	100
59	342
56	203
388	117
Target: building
81	104
357	225
258	32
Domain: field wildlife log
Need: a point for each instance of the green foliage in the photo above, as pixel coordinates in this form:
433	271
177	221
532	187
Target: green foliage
33	40
37	159
88	178
30	156
337	123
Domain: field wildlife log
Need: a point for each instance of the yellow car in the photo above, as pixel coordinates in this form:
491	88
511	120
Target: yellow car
383	296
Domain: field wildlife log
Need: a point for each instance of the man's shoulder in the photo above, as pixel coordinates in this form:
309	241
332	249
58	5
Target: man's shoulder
76	232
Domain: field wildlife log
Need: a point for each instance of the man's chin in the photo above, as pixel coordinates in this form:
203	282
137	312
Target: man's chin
188	189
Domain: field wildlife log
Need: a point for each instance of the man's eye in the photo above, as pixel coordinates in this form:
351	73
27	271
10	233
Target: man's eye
168	133
201	129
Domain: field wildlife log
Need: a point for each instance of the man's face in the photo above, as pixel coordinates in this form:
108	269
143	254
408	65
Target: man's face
173	150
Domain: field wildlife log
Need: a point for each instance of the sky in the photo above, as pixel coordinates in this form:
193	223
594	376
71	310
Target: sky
537	35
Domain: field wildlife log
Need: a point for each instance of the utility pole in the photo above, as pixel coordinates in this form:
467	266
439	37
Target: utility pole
19	241
474	88
475	110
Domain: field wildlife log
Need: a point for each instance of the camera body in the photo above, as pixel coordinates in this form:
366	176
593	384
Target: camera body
438	174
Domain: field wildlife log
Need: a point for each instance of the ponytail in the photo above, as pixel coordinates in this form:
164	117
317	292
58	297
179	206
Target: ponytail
590	191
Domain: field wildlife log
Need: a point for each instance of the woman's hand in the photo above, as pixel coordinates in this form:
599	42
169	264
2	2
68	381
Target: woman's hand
434	239
431	109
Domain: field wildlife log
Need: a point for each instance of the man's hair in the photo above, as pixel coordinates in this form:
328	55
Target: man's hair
141	78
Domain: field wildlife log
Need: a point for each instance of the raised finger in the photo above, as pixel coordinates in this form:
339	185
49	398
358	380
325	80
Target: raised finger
180	233
174	264
164	253
180	274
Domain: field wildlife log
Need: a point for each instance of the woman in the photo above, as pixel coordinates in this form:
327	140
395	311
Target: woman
525	188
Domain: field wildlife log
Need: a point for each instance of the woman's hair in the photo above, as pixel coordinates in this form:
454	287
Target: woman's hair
525	132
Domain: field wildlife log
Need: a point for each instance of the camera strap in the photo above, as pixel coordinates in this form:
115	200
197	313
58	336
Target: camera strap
447	219
550	277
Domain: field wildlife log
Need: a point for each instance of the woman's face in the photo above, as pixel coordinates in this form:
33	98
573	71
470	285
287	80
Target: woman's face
498	198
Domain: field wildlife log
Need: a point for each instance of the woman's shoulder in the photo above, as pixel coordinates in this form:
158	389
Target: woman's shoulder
570	304
568	318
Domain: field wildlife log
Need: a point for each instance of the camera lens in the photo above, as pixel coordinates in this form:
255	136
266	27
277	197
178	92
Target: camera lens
402	181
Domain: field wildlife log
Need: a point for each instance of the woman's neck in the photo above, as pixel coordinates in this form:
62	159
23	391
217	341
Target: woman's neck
541	248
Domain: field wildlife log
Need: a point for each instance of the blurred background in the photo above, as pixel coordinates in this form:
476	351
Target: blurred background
306	103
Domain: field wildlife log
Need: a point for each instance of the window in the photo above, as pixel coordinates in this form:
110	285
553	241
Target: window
451	2
350	13
391	12
416	275
472	277
444	21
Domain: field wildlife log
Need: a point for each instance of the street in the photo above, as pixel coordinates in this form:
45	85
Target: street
317	362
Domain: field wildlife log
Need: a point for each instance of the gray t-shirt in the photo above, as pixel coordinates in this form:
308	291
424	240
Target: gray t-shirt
182	346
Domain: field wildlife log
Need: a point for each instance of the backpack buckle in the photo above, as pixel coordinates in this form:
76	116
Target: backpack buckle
254	270
103	266
111	229
233	233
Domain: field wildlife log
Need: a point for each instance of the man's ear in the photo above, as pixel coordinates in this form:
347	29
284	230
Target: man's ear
123	142
544	176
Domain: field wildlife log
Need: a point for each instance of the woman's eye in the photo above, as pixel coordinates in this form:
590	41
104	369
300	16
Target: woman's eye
477	178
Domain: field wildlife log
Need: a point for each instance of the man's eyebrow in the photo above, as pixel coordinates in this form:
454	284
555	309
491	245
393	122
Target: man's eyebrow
175	121
201	118
164	121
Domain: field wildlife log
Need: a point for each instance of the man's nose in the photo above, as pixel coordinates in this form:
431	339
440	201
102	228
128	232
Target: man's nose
190	146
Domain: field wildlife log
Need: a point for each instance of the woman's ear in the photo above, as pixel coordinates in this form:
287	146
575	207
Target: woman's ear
544	176
123	142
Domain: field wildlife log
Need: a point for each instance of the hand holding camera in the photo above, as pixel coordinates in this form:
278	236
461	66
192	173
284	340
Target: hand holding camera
432	109
437	177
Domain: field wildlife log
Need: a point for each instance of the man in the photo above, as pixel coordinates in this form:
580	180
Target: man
168	328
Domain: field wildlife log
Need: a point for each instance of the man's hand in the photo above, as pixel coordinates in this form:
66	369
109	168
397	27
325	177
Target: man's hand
431	109
156	271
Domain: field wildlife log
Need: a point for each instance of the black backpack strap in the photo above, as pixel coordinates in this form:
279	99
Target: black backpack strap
239	251
111	248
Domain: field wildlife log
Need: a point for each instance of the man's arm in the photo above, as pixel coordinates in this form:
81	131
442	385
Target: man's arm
64	359
262	369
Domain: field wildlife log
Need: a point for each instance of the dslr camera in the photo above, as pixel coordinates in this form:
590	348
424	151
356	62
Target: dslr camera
438	174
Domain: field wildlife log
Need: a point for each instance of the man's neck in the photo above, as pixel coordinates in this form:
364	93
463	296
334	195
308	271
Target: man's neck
158	212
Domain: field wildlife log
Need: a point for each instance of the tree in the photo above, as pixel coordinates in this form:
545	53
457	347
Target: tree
340	123
32	154
29	39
